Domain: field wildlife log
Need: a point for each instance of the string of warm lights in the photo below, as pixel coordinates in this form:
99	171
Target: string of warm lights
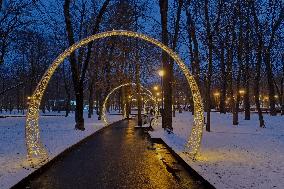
35	149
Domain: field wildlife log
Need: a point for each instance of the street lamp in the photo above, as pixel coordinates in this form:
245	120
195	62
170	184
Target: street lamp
242	92
161	73
217	95
155	88
266	101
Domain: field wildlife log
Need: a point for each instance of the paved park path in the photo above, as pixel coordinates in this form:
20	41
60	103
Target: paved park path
119	156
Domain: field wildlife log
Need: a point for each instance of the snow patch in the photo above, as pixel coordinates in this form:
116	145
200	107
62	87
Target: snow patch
57	134
243	156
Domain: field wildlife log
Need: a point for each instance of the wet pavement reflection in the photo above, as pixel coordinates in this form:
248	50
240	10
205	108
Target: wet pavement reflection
116	157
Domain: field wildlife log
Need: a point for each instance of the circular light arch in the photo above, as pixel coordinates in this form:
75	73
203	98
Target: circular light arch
35	148
150	94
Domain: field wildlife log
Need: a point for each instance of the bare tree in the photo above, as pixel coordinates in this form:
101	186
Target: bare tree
266	48
78	75
167	78
258	67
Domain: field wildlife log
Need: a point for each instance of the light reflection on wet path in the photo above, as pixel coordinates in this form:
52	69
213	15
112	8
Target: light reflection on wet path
116	157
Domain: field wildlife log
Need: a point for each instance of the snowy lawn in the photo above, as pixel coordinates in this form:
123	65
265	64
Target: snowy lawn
243	156
57	133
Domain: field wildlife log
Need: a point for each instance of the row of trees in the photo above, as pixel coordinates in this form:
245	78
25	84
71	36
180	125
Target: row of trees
240	41
229	46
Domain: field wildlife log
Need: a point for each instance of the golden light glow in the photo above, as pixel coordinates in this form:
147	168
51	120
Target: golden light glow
242	92
216	94
158	94
155	88
36	151
161	73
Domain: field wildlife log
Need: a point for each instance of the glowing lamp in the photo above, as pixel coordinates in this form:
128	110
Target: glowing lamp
161	73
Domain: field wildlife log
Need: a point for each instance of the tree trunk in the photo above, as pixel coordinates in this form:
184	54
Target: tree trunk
256	84
67	91
223	81
230	78
246	80
192	35
99	104
246	97
173	101
122	102
168	69
209	72
174	44
282	98
91	99
237	102
74	69
1	5
138	91
240	70
282	87
258	65
79	113
67	105
127	102
270	82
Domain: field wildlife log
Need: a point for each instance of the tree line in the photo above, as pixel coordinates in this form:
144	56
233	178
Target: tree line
234	49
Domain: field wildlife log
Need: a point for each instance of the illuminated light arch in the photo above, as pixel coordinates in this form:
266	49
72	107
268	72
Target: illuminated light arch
36	151
149	93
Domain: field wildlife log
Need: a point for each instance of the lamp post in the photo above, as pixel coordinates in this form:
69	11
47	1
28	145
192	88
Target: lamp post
242	93
156	88
217	95
161	74
157	98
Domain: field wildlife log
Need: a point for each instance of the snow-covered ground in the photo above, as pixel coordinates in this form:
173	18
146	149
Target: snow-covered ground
57	133
243	156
